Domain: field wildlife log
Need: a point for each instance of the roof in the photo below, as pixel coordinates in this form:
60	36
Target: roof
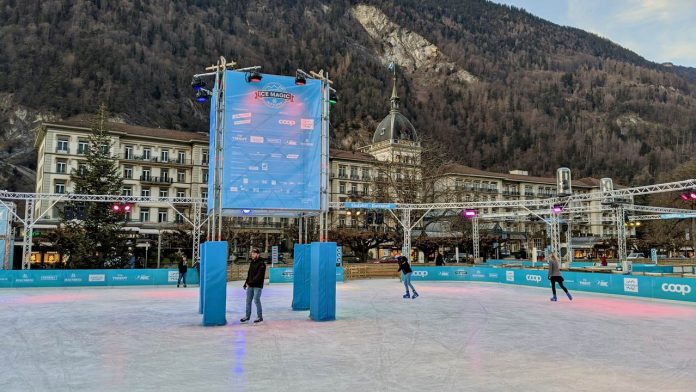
455	168
335	153
394	127
85	121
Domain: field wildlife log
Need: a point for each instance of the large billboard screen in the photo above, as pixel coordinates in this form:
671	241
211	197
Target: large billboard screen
272	144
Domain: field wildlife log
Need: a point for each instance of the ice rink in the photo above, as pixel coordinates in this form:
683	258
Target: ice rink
458	336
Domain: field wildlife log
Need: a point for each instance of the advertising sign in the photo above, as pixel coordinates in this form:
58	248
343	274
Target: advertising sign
272	144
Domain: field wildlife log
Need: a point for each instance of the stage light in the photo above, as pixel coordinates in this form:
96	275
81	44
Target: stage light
333	97
246	211
202	96
116	208
684	197
300	79
692	195
254	77
127	208
197	83
557	208
469	213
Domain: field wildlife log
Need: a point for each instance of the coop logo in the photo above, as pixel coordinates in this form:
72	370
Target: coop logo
274	95
682	289
287	274
444	274
533	278
421	274
460	272
510	276
286	122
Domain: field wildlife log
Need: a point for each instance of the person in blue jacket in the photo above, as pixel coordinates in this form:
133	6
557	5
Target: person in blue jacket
406	270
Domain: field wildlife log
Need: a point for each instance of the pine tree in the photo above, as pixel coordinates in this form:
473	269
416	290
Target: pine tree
93	228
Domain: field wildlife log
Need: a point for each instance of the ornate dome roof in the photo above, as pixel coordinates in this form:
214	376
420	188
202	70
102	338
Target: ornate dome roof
395	126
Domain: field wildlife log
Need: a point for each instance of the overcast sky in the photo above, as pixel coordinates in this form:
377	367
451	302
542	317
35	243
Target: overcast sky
659	30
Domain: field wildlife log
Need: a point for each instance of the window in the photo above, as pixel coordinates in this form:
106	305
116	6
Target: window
82	147
62	145
354	189
128	172
204	193
354	172
164	175
129	152
127	191
146	174
365	174
342	188
162	216
147	153
178	218
105	149
181	175
61	165
144	214
181	157
59	188
145	192
164	155
164	193
180	192
204	159
82	169
341	171
205	175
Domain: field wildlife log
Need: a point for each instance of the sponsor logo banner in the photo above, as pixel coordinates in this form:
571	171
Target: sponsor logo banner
510	276
630	285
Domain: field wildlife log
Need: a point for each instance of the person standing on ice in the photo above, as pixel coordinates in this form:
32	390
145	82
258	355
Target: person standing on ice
406	270
254	285
555	276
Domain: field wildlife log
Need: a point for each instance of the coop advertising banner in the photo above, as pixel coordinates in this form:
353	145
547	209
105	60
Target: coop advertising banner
272	144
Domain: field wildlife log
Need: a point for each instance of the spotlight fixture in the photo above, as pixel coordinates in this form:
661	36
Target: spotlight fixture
202	95
333	97
300	79
197	83
254	77
246	211
469	213
557	208
684	197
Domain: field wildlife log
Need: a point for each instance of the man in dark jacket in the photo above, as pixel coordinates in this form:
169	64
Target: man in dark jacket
183	268
439	261
253	285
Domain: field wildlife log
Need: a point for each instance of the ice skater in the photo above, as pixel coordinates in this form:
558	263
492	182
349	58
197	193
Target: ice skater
555	276
254	285
406	270
183	268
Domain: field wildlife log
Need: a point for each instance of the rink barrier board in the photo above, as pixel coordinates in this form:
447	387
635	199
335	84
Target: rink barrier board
664	269
286	275
680	289
93	278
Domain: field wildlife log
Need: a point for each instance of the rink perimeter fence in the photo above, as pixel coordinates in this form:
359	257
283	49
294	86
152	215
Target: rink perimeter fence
112	277
670	288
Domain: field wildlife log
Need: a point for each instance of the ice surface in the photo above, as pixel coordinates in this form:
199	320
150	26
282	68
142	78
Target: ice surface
458	336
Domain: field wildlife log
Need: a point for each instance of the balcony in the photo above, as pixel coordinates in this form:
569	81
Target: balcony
151	159
63	150
157	180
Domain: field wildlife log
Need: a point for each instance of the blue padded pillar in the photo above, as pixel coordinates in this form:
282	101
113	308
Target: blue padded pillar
201	284
301	277
214	275
322	290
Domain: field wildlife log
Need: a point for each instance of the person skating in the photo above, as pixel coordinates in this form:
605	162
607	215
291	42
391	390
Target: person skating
254	285
183	268
555	276
406	270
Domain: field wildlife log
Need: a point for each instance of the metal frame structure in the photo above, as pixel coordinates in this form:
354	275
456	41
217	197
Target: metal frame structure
30	199
572	201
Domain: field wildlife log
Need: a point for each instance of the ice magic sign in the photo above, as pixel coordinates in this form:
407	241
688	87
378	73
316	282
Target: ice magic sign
272	144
